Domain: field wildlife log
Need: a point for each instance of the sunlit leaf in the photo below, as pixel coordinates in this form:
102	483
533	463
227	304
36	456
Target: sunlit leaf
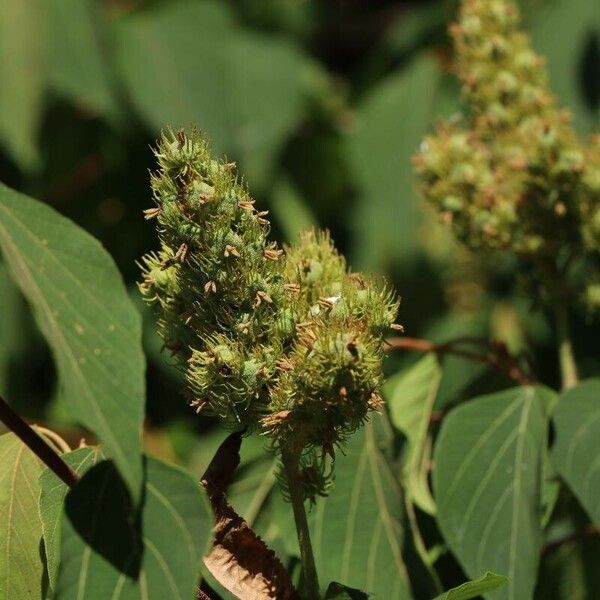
83	310
487	480
21	565
410	396
576	450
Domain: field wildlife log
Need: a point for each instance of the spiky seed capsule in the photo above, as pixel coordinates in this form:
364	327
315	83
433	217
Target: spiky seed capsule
287	344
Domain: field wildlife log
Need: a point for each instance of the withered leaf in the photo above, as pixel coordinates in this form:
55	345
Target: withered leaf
219	473
239	559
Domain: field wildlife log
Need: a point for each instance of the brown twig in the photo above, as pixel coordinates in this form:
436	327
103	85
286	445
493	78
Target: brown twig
587	531
37	444
497	356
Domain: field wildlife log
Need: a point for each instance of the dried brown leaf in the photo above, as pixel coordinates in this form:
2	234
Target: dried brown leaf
219	473
239	559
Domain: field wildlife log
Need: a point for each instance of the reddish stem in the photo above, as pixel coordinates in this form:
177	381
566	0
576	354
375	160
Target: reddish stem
498	357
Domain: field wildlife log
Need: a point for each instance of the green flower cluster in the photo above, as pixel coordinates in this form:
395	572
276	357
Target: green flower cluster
511	173
285	343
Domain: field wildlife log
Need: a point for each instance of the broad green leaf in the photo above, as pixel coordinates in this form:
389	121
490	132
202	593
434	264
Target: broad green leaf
106	555
390	123
21	566
245	90
52	497
487	480
82	308
356	531
22	77
337	591
410	396
577	21
78	67
474	589
576	450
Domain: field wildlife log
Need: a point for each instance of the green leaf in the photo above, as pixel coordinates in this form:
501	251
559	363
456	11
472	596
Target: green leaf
78	67
474	589
487	480
390	124
106	555
356	531
22	78
337	591
245	90
576	450
410	396
52	497
83	310
21	566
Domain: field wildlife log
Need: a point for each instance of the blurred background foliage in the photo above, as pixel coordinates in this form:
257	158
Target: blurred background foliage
321	103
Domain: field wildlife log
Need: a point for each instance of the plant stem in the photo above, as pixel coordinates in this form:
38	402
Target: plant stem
568	366
497	357
37	444
291	461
